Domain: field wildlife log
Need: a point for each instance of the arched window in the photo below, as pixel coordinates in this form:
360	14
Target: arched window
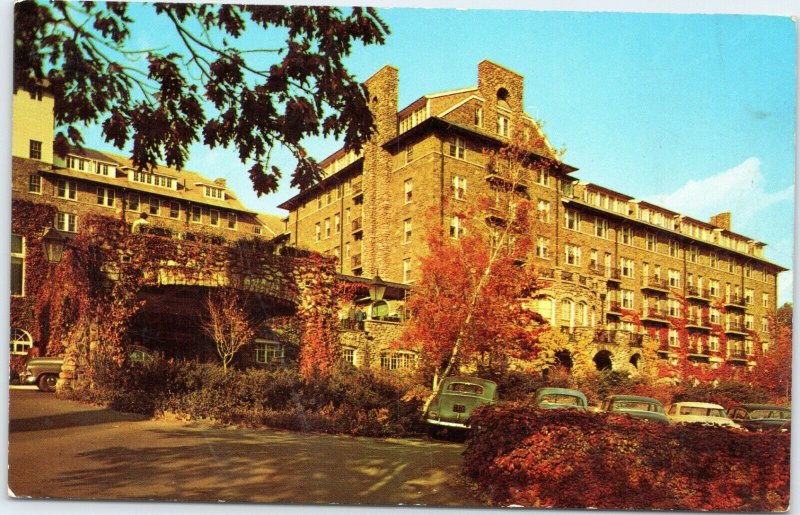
583	314
547	308
567	316
21	342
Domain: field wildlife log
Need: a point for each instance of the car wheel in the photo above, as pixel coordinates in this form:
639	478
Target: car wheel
47	382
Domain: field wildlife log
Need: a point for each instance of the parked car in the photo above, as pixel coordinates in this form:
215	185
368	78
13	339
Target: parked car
699	413
760	417
559	398
44	372
455	400
644	408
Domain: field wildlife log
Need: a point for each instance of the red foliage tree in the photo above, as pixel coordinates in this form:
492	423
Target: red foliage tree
774	370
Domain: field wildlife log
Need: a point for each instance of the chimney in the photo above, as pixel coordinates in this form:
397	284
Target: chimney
722	220
220	182
382	89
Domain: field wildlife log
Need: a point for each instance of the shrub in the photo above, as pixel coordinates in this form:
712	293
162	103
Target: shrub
726	393
572	459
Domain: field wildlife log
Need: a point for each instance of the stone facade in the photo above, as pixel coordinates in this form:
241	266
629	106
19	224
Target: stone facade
614	263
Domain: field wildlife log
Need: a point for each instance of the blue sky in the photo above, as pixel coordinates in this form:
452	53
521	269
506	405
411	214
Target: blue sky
694	112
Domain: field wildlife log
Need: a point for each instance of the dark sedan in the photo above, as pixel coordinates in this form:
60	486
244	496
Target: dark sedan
761	417
644	408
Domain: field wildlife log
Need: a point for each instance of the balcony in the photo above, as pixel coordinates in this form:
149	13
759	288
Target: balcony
549	273
736	328
655	315
635	339
357	227
613	275
355	262
734	301
597	269
698	323
506	182
694	293
606	336
614	308
356	190
737	356
656	284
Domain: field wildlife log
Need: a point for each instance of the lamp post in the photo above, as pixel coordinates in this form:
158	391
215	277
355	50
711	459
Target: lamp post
54	242
376	289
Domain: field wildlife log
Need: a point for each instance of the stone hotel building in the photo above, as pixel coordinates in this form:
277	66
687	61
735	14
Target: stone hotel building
621	267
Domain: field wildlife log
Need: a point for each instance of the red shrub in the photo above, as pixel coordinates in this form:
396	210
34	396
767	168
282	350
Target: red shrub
570	459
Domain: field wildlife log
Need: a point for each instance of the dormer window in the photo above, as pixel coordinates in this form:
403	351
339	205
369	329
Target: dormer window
161	181
212	192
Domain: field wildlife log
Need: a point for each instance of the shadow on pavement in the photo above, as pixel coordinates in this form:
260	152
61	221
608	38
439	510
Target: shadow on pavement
47	422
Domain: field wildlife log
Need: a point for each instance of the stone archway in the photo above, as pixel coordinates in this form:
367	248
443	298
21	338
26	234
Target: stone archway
564	359
602	360
636	361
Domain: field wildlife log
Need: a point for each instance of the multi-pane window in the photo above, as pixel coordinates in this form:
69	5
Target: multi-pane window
327	228
34	183
502	126
626	267
67	189
269	352
17	265
764	324
748	270
161	181
105	197
672	338
600	227
714	315
133	202
67	222
673	248
257	230
748	322
337	223
713	287
407	230
35	151
543	177
652	242
409	153
102	169
749	295
212	192
155	206
626	235
765	300
456	227
233	219
197	214
626	298
398	360
407	270
174	209
572	255
674	277
457	148
349	355
694	253
479	117
572	219
21	342
713	343
213	217
674	308
543	247
543	208
408	190
459	187
317	231
712	260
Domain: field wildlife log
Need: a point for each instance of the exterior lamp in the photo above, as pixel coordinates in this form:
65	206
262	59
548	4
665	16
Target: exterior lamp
54	243
376	289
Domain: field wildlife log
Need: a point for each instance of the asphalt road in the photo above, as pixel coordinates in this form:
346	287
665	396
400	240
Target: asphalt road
66	450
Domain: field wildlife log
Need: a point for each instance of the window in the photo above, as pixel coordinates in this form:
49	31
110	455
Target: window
317	231
67	222
765	300
102	169
67	189
543	247
652	242
35	151
479	117
764	324
232	221
337	223
748	322
408	190
35	183
457	148
626	267
503	126
161	181
398	360
197	214
713	288
572	219
749	295
626	235
36	93
409	153
748	270
155	206
407	231
600	227
626	298
133	202
572	255
713	343
673	248
674	308
105	197
174	209
714	315
543	208
712	260
693	253
673	338
212	192
674	278
328	197
459	187
543	177
257	230
349	355
327	228
407	270
456	228
213	216
21	342
269	352
347	250
17	265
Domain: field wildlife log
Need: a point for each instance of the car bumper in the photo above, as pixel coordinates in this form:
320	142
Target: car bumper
443	423
25	378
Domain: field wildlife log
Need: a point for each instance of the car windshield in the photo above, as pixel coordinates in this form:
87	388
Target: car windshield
635	406
560	398
474	389
774	414
702	412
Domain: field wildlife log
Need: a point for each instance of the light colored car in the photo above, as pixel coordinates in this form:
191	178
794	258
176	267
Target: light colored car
699	413
644	408
455	400
559	398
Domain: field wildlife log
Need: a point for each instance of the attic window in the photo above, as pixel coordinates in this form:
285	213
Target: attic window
212	192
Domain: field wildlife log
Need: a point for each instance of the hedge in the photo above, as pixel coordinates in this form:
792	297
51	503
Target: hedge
570	459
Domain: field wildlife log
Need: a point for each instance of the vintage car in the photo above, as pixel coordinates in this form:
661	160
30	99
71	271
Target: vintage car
699	413
644	408
559	398
455	400
761	417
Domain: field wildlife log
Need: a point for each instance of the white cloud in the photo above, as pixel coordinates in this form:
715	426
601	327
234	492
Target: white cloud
785	287
740	190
